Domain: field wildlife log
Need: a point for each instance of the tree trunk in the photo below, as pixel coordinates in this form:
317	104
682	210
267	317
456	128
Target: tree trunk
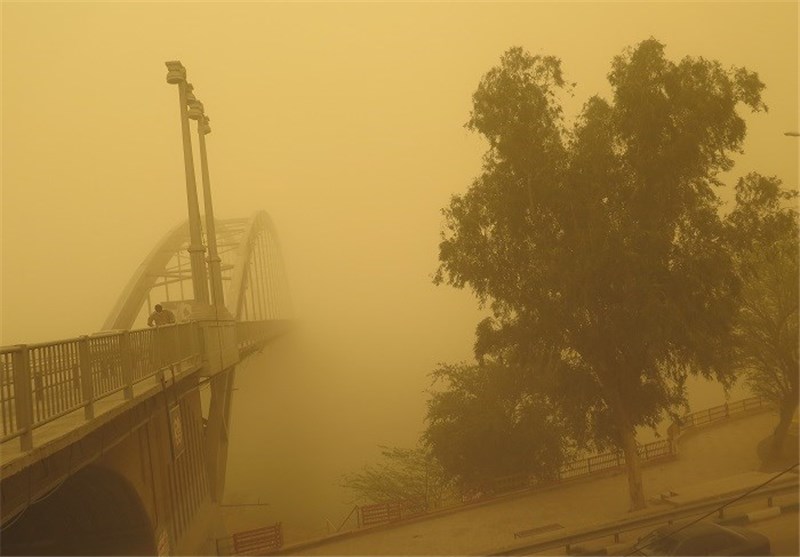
628	437
787	408
633	466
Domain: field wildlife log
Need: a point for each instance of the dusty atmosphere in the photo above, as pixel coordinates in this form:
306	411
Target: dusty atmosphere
346	123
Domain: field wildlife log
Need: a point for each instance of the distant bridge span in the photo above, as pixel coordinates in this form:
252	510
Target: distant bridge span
255	290
116	442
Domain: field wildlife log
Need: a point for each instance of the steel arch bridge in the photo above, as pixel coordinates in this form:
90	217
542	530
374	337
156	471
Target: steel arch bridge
77	412
257	302
253	274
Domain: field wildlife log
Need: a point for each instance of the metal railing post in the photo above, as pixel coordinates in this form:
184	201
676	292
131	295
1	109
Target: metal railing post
164	347
157	356
169	345
24	396
174	345
177	358
87	389
126	360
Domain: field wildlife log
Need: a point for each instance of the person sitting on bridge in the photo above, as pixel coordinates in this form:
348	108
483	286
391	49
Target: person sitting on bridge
160	317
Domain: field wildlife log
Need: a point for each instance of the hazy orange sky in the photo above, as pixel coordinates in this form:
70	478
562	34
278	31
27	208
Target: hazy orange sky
344	121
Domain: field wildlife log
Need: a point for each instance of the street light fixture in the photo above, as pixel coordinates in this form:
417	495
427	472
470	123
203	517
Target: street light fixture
197	113
176	74
792	134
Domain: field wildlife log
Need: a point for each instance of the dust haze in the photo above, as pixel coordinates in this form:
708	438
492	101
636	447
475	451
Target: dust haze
345	122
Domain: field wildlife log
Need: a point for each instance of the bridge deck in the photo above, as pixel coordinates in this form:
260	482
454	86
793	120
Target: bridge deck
52	394
66	429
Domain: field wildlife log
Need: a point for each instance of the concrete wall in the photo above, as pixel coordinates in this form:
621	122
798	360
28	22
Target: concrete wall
133	468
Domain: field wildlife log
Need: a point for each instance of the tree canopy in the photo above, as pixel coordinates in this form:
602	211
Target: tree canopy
763	232
412	475
485	422
599	246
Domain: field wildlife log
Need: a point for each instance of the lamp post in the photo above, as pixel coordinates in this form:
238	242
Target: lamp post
197	113
176	74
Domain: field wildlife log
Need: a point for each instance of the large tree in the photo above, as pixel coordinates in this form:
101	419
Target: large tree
598	247
763	230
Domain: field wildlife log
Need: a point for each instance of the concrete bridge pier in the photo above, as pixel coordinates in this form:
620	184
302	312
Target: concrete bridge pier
216	435
137	484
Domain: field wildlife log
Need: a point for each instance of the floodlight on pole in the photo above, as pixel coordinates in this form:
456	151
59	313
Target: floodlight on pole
176	74
197	113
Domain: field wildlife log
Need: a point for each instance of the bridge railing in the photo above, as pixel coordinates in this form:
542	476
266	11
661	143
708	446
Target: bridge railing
42	382
250	335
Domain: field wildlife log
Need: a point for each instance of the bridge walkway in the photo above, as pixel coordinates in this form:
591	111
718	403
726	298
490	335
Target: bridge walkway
722	450
67	429
66	393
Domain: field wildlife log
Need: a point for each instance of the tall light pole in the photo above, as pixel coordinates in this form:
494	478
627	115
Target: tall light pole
197	113
176	74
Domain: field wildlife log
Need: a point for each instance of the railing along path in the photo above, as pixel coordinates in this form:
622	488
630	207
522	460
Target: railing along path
592	465
648	452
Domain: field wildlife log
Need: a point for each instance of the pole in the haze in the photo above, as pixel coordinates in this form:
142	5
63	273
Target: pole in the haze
176	74
197	113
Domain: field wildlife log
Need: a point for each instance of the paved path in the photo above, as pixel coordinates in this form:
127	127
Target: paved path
707	454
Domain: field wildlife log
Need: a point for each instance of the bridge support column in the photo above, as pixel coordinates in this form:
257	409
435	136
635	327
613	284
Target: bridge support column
217	432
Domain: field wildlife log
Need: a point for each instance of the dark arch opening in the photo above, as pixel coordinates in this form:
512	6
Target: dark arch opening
94	512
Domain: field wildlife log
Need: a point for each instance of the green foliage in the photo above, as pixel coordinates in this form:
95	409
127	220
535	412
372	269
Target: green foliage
402	475
599	249
763	231
487	422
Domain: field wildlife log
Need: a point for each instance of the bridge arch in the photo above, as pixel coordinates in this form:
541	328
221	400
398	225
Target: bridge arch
258	288
113	503
253	274
96	511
